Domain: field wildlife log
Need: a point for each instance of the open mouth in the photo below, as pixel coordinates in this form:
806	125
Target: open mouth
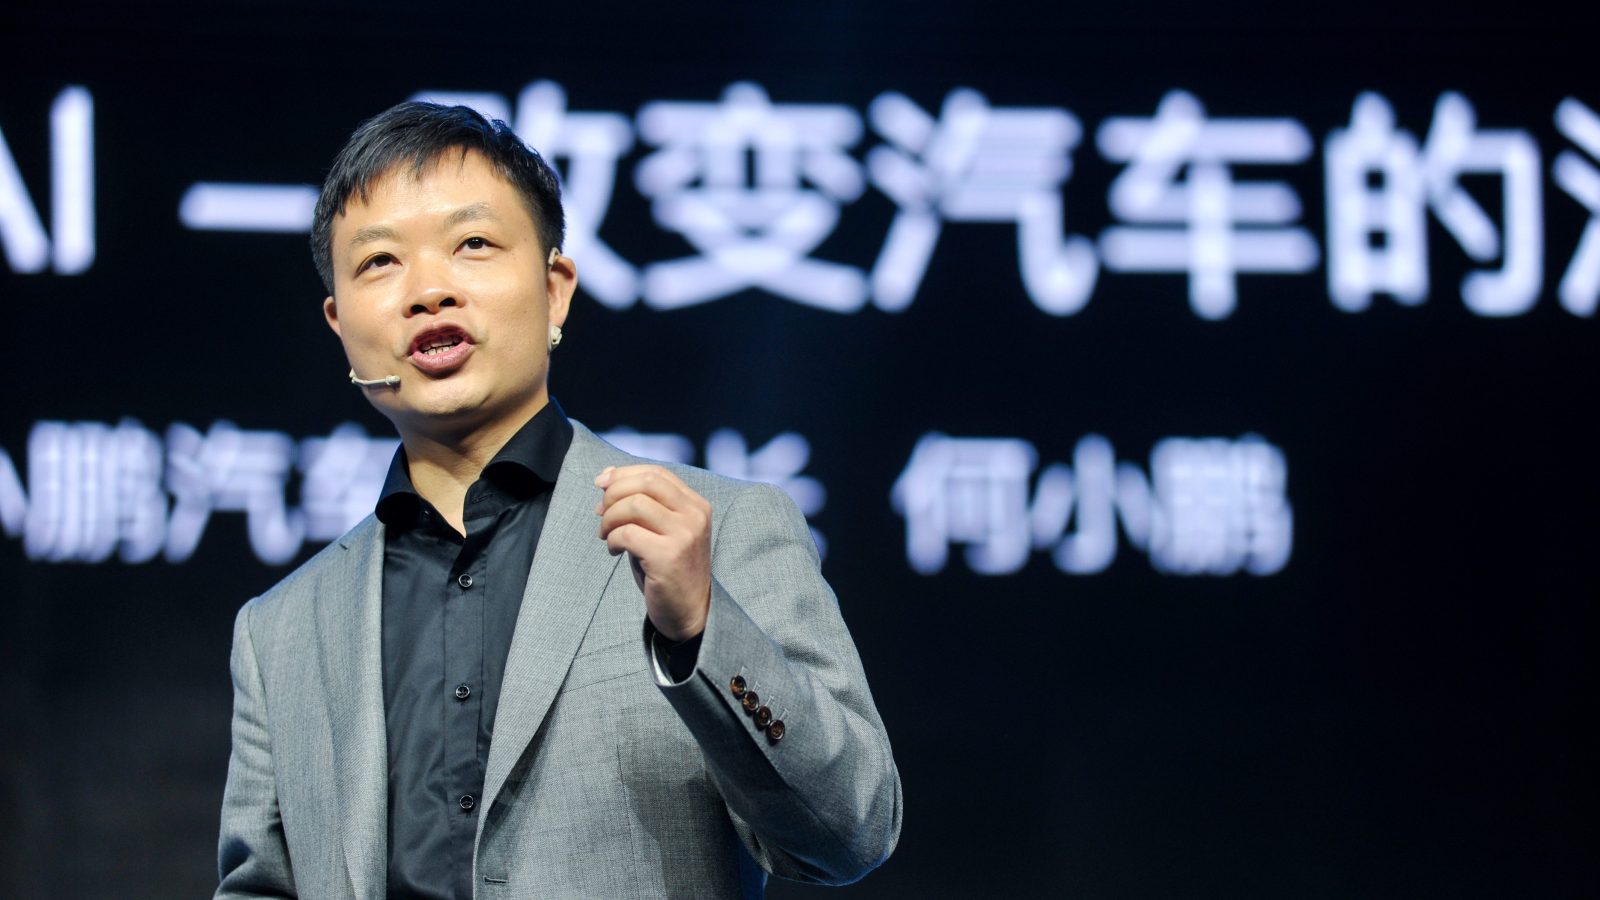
437	345
441	350
437	341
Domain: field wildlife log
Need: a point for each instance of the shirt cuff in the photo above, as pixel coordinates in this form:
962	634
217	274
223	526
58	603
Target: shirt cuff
674	661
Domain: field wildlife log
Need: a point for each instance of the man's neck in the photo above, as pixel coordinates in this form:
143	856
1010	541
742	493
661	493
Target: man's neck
443	466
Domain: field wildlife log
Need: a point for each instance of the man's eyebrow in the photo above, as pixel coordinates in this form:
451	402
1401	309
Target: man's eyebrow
472	212
373	233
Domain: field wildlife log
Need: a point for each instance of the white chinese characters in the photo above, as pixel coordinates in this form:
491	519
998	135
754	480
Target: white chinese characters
754	222
1204	223
1580	286
971	491
759	188
1377	235
1210	506
94	490
1205	506
978	164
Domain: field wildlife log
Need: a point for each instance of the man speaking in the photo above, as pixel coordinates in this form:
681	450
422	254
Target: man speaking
542	668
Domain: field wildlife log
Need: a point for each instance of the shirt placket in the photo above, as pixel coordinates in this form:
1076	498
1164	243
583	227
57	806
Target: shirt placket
464	591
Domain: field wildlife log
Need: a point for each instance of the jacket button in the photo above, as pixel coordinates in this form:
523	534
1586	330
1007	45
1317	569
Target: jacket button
775	731
763	717
751	701
737	686
463	691
467	803
464	580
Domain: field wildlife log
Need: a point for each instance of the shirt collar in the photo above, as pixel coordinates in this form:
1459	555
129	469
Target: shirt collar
527	464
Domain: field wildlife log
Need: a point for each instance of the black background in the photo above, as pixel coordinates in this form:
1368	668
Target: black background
1399	713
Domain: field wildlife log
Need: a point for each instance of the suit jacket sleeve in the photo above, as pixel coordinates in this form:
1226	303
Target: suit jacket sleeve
252	857
823	803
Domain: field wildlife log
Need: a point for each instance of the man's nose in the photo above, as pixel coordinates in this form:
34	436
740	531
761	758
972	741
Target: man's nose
430	300
431	291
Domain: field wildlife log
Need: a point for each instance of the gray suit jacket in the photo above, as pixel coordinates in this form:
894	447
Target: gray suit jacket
603	780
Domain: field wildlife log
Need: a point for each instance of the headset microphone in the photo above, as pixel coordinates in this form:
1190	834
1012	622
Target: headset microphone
392	381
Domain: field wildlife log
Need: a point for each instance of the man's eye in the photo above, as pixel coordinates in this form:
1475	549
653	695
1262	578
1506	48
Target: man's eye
382	259
475	243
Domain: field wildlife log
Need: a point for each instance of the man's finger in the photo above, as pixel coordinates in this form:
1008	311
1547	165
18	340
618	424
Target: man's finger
611	473
656	481
672	495
633	538
636	509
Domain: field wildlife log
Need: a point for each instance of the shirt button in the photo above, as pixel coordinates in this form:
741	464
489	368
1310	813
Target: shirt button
467	803
463	691
464	580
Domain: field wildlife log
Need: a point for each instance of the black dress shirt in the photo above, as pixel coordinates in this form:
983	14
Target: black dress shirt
450	606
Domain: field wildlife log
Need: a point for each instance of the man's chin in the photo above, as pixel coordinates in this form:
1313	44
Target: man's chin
447	418
440	418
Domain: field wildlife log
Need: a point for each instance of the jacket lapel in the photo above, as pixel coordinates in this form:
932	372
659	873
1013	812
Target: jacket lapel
350	631
570	571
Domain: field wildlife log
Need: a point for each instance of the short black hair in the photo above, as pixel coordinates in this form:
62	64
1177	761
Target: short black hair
418	134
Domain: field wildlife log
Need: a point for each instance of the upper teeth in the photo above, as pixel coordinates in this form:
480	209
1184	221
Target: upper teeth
440	343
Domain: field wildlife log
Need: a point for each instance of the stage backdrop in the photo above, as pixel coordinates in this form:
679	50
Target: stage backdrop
1193	408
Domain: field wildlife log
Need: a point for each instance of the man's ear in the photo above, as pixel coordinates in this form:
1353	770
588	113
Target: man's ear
330	312
561	281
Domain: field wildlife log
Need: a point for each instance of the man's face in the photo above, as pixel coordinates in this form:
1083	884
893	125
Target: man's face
441	279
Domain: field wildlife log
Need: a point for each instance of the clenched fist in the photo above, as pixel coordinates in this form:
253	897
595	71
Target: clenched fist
665	528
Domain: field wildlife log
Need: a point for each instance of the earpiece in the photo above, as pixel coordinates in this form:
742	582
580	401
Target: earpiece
555	330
